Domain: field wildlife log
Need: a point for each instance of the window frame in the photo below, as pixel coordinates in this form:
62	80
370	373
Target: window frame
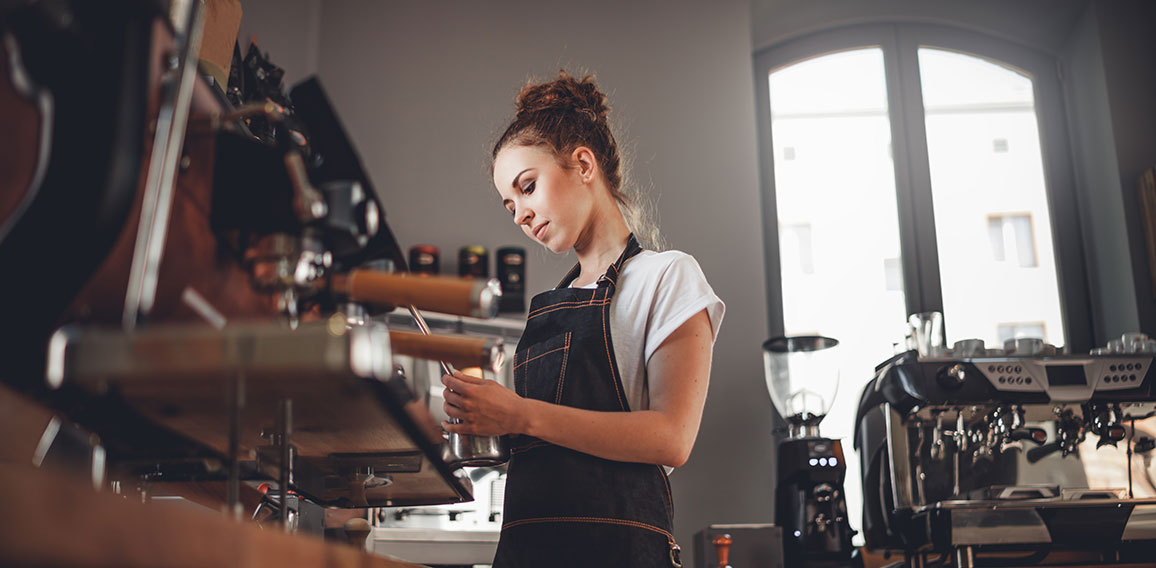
918	248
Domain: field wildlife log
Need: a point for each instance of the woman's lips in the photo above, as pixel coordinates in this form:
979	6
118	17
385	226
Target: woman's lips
540	231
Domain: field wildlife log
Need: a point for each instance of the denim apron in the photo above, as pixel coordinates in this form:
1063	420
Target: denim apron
564	507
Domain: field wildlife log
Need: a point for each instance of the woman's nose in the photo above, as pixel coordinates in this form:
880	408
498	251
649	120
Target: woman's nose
523	216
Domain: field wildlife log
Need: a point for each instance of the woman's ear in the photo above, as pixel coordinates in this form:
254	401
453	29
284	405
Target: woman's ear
583	157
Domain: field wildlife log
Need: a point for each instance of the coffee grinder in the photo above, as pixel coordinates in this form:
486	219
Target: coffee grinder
802	376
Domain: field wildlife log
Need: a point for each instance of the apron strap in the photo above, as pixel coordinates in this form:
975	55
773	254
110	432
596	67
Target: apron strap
610	277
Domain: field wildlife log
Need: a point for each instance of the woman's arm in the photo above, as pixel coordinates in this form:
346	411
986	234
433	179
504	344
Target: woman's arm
663	435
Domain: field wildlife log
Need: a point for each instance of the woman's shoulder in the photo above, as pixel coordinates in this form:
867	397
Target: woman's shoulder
660	266
649	259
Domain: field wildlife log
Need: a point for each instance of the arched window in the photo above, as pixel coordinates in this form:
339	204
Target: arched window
910	168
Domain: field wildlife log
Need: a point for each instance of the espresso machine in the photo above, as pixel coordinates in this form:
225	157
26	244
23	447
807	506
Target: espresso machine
977	452
802	375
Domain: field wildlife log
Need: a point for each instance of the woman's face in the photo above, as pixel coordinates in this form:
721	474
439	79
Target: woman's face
550	203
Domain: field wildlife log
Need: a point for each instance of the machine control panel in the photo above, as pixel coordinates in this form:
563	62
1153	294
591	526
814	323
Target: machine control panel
1064	377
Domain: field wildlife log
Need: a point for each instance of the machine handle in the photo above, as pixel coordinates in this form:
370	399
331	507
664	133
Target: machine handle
458	296
459	351
722	548
1036	454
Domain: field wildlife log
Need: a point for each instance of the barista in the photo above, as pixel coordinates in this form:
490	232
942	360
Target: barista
611	373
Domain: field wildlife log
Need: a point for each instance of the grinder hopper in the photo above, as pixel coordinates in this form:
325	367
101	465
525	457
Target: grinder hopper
802	375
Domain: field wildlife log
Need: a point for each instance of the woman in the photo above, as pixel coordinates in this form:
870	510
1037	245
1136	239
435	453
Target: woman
611	373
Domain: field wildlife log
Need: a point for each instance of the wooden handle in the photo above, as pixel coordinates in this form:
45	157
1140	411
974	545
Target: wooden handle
473	297
722	547
356	532
460	351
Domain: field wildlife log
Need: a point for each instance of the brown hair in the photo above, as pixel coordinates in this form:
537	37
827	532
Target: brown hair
567	113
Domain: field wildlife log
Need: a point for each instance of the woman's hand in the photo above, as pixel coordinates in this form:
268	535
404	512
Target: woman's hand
484	407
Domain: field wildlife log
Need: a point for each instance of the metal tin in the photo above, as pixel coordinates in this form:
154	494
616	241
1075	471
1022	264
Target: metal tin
511	265
424	259
474	261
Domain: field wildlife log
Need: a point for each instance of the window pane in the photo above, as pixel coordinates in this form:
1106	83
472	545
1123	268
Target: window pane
838	220
992	225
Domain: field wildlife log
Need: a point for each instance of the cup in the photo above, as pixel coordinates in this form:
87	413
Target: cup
1133	342
969	348
927	331
1025	346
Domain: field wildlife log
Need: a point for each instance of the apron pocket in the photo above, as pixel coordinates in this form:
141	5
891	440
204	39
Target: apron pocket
540	370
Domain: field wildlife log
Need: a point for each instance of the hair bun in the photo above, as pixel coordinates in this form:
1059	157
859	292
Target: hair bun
564	94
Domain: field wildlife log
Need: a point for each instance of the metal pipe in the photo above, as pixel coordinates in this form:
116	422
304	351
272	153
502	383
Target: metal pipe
172	119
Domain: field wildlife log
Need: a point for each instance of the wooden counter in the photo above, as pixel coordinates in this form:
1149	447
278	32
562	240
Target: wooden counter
54	521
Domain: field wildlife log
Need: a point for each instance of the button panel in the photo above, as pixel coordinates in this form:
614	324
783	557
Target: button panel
1031	375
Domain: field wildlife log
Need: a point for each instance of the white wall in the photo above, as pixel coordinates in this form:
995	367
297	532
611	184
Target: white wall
424	88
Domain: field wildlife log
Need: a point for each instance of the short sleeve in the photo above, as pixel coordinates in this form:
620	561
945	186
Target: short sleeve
682	292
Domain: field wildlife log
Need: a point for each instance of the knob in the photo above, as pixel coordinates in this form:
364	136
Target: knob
823	492
952	377
1111	435
722	549
356	531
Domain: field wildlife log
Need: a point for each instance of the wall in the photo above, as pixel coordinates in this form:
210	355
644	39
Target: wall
1094	161
424	88
287	30
1129	47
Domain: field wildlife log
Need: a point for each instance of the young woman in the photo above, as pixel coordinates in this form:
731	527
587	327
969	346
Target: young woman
611	373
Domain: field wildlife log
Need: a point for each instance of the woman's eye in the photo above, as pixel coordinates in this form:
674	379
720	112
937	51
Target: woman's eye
529	188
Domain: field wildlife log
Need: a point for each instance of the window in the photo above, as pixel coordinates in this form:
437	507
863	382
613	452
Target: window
892	275
797	247
1016	230
916	157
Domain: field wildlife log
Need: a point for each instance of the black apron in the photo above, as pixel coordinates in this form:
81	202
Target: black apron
564	507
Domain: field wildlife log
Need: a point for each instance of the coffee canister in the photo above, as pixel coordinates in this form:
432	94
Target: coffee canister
424	259
474	261
512	274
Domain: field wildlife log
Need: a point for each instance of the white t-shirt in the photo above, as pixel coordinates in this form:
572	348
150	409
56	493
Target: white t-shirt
657	292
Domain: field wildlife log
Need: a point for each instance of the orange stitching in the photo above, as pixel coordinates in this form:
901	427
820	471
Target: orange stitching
556	304
666	482
602	520
609	360
563	308
570	276
567	346
562	373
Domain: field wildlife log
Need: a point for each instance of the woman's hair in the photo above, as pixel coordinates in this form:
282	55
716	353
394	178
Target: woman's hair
567	113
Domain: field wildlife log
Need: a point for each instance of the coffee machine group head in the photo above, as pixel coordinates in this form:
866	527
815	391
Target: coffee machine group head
802	375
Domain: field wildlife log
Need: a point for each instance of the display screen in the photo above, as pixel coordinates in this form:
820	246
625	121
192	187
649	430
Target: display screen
1066	376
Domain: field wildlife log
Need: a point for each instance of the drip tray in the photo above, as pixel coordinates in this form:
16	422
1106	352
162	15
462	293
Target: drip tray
1014	492
1043	491
1076	519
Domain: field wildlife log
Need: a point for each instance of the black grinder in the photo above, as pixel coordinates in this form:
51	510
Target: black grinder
802	375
